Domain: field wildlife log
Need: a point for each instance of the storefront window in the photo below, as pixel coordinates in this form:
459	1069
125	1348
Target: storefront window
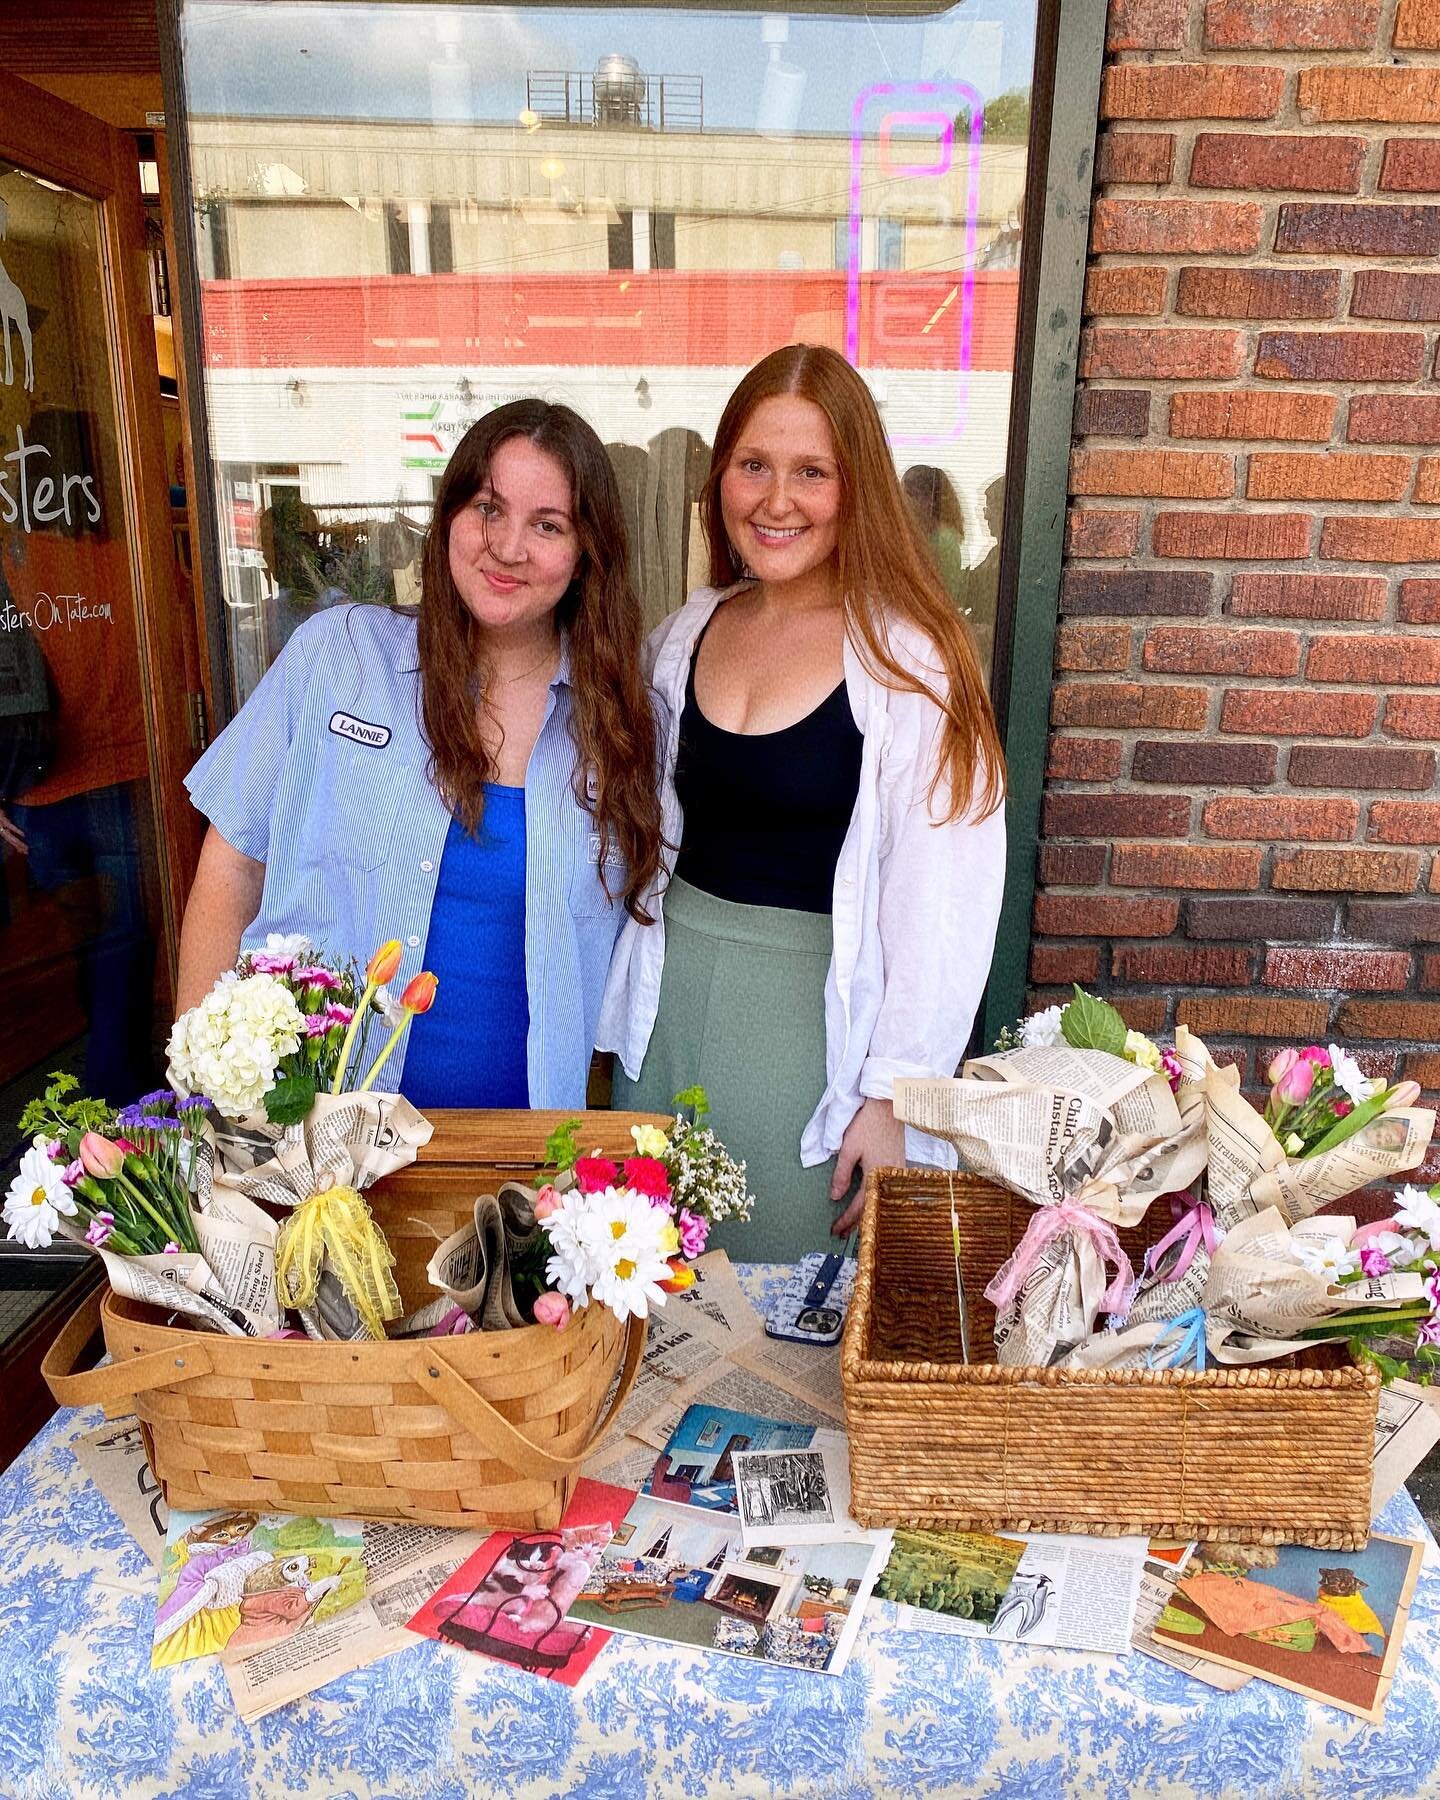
407	215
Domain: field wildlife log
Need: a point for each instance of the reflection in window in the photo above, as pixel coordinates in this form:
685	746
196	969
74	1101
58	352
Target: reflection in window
408	215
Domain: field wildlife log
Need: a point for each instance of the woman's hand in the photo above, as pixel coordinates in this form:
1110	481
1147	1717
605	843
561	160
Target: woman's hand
874	1139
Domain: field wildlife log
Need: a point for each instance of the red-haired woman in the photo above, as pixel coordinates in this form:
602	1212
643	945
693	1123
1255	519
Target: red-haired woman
837	801
477	779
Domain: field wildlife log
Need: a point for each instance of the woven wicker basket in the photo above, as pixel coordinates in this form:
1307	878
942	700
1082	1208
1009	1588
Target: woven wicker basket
1268	1454
476	1432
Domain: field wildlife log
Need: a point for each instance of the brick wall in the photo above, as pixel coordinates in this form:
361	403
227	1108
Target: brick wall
1241	813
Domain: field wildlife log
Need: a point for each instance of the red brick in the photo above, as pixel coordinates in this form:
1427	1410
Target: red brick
1298	1021
1157	474
1104	915
1238	536
1136	593
1358	229
1112	412
1101	532
1291	24
1064	962
1261	596
1129	705
1211	293
1165	227
1093	647
1394	921
1417	25
1071	865
1182	965
1395	294
1359	766
1346	871
1191	91
1398	1021
1427	481
1420	602
1138	156
1296	712
1143	1012
1409	96
1394	419
1208	866
1146	24
1411	166
1277	818
1213	650
1159	355
1413	716
1126	291
1381	539
1383	662
1255	415
1266	919
1249	160
1404	822
1429	983
1356	971
1088	759
1209	763
1341	355
1116	815
1327	475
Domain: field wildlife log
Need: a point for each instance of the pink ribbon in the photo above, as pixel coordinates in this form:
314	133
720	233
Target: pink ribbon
1196	1226
1047	1224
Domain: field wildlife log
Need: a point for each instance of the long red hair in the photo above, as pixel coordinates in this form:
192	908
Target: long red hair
611	718
886	570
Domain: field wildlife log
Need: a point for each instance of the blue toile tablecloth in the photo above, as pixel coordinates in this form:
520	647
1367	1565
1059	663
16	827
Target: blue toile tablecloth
82	1715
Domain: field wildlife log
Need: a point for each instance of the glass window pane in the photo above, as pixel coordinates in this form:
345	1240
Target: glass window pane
407	215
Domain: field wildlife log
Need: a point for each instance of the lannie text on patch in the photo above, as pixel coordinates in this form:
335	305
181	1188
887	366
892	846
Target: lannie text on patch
359	731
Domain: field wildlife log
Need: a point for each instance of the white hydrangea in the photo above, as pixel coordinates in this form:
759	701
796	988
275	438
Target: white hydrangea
1041	1029
229	1046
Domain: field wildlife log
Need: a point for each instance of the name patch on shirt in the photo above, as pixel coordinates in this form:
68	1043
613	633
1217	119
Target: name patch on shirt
359	731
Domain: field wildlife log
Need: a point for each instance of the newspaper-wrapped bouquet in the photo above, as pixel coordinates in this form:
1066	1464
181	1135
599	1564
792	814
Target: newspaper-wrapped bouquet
272	1047
1089	1121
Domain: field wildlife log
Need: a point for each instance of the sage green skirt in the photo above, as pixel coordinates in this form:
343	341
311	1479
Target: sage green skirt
742	1011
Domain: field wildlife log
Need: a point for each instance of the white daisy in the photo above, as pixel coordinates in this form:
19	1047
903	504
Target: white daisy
1417	1212
630	1241
1326	1256
37	1198
572	1268
1350	1077
1041	1029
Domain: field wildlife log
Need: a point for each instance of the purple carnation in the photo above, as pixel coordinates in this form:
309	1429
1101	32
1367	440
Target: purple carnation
694	1232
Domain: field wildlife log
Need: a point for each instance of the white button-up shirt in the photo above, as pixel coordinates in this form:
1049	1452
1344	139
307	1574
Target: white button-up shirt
915	905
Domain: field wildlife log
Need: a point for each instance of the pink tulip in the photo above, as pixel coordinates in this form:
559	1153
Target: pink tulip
1293	1087
547	1201
1280	1067
552	1309
101	1158
1406	1094
1373	1229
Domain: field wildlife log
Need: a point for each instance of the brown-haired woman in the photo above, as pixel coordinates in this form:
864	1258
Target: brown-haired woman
837	800
476	779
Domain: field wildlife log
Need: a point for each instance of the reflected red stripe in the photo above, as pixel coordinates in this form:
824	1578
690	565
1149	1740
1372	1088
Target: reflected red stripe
666	318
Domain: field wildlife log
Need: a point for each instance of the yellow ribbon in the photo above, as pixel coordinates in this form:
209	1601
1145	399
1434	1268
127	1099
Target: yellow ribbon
336	1226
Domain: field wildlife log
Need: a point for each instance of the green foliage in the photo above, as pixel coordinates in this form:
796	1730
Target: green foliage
53	1115
1350	1124
1390	1370
291	1098
1091	1024
693	1099
562	1147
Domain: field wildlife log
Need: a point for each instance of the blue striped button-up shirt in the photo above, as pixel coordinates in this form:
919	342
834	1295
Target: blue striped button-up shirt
322	777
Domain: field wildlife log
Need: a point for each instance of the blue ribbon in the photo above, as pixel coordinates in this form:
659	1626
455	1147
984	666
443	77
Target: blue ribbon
1190	1329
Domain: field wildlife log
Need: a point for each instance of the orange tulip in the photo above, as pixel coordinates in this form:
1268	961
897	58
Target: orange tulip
384	964
419	995
682	1276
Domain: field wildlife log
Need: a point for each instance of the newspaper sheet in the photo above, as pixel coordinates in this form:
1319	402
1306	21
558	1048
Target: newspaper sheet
114	1458
404	1565
239	1244
1407	1428
717	1302
1068	1593
184	1284
1249	1171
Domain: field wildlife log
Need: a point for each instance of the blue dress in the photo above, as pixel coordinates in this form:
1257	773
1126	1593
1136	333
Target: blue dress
470	1048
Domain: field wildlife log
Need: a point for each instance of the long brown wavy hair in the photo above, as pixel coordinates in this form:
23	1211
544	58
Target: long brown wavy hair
886	570
611	719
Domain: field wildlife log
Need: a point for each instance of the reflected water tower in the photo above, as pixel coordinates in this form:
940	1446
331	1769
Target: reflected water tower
618	91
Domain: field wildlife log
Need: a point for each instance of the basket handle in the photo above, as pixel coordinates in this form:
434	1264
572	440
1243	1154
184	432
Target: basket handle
117	1380
496	1432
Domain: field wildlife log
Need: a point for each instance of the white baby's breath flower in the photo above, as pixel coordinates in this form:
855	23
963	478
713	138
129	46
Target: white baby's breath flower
37	1198
1416	1211
1350	1078
1041	1029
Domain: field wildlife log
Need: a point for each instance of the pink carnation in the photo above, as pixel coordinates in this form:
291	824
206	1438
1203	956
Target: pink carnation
338	1013
316	1025
1171	1069
265	962
593	1174
647	1175
315	977
694	1231
1317	1054
1374	1261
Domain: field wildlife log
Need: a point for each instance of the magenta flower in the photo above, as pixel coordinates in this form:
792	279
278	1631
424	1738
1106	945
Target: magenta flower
1374	1261
552	1309
171	1249
316	1025
316	977
266	962
1429	1332
73	1172
595	1173
56	1152
1171	1069
338	1013
1343	1108
99	1228
1317	1054
694	1232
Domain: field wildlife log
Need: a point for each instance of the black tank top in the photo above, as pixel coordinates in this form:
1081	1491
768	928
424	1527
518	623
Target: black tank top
765	815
